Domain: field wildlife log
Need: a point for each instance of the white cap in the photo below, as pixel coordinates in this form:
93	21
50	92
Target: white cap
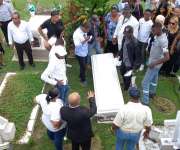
160	19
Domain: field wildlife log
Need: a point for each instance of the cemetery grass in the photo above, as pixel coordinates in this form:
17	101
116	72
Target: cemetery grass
17	100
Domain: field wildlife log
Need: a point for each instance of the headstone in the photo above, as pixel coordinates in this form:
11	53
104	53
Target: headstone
176	137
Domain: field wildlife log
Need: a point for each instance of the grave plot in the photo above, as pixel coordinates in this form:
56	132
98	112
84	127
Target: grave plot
16	100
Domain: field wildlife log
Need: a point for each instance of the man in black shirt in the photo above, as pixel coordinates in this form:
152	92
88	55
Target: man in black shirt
78	121
54	26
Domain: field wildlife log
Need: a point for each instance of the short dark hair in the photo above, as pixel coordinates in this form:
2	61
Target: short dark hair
148	10
128	29
52	94
54	12
16	13
115	7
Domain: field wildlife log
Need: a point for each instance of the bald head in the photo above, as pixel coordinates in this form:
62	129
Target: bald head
74	99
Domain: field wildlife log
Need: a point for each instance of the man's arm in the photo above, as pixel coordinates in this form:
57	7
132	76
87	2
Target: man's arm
10	38
160	61
40	30
137	54
30	35
92	104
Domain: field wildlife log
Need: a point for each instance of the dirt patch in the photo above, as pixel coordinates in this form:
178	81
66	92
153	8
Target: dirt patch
164	105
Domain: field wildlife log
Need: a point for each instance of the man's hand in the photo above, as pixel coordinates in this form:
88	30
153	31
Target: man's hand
152	65
60	82
32	43
146	135
171	52
11	46
114	41
47	45
90	94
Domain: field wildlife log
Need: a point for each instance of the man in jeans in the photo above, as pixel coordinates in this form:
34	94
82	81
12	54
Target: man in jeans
158	55
132	118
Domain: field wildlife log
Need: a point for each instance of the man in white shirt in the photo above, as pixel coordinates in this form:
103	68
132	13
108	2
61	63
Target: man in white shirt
20	36
55	73
145	25
81	39
125	20
6	11
132	118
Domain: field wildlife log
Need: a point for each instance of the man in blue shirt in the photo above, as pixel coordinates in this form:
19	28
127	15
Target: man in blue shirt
81	39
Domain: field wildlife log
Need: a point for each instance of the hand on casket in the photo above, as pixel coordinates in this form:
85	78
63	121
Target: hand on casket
90	94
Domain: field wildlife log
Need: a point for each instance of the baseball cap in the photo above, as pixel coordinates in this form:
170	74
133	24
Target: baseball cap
134	92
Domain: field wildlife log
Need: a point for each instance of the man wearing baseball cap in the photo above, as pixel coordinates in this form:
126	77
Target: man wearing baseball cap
132	118
55	73
126	19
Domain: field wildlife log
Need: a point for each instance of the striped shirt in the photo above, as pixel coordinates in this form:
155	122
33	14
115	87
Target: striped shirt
6	12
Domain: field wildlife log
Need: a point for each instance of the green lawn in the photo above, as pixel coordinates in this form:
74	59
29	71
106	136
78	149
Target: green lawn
16	101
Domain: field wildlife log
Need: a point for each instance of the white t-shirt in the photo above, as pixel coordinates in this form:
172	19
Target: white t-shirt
50	112
132	117
144	30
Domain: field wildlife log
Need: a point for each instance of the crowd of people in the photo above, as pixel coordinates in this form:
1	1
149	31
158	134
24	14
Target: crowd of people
139	37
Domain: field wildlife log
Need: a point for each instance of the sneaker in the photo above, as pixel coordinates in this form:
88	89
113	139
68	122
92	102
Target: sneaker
141	68
22	67
84	83
69	65
152	96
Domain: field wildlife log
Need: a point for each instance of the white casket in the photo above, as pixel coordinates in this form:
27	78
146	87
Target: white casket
109	98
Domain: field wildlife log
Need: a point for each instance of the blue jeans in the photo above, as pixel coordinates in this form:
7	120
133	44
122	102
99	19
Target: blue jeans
126	138
63	90
94	45
149	84
57	138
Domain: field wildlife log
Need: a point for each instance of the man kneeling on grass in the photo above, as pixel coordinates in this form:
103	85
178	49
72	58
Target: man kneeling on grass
130	121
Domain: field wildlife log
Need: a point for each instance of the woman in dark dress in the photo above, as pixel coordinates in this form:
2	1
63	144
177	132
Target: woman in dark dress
170	67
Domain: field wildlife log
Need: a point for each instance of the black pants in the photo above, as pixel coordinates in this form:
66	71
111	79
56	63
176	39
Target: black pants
82	63
172	65
111	48
1	49
20	50
126	80
4	26
142	47
84	146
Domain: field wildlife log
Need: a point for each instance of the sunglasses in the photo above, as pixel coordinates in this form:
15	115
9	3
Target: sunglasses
172	23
